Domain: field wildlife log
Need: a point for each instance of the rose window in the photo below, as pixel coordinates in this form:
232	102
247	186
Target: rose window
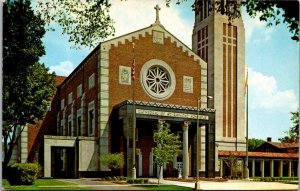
158	79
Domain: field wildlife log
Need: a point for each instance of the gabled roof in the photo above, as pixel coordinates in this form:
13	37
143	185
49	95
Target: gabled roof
283	145
258	154
142	32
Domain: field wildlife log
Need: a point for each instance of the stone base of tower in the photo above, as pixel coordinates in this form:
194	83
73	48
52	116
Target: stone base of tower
231	144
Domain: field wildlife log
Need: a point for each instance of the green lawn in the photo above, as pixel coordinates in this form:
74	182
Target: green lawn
43	184
163	187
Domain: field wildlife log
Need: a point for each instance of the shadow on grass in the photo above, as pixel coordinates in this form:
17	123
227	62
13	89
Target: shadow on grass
163	187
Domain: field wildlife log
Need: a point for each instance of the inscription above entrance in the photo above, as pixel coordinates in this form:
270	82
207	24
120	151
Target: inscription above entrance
170	114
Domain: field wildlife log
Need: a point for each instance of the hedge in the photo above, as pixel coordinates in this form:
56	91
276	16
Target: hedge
22	173
137	180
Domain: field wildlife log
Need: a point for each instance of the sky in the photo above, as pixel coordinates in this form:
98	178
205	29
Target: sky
271	56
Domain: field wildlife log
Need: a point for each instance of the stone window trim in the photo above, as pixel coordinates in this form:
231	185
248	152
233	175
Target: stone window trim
91	81
79	90
91	122
157	79
62	104
188	84
70	98
125	75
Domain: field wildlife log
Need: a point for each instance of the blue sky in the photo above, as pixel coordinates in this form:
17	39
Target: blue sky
271	55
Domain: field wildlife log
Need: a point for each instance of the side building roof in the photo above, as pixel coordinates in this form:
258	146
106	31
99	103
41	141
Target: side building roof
242	154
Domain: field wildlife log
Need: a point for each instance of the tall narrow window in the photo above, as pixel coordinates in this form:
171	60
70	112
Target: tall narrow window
62	122
78	122
62	104
91	119
70	125
70	98
79	90
91	81
79	125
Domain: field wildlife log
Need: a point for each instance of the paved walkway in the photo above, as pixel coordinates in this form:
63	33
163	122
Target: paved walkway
234	185
93	184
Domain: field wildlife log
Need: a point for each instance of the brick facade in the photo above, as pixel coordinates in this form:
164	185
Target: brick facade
145	50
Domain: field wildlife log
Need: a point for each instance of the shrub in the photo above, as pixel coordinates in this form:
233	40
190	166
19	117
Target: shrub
122	178
112	161
108	178
130	180
22	173
139	181
146	180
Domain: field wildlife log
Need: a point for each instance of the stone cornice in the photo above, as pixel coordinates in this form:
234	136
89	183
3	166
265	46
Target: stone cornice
163	105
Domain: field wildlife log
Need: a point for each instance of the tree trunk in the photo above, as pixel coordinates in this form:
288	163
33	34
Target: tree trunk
8	147
159	171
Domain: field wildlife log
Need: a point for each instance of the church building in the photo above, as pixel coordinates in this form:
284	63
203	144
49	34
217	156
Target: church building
129	86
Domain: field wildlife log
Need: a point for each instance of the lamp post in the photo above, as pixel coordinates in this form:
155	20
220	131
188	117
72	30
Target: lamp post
197	184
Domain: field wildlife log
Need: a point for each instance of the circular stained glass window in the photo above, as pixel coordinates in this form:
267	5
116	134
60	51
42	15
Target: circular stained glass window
158	79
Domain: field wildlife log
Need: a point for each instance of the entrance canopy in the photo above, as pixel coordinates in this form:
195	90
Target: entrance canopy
186	117
153	110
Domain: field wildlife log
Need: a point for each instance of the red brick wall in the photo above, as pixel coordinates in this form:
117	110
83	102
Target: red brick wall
145	50
49	125
81	76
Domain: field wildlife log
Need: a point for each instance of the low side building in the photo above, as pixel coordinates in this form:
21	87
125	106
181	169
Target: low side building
271	159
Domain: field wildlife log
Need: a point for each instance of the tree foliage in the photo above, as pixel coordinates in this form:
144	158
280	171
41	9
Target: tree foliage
267	10
87	22
112	160
27	85
253	143
293	132
168	144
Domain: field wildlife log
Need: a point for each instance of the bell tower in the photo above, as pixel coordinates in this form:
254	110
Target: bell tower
222	45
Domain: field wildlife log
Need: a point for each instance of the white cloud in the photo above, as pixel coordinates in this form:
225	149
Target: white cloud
136	14
64	68
264	93
254	25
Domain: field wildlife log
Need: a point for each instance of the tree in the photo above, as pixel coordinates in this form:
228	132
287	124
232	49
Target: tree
267	10
253	143
86	22
293	132
234	166
112	160
27	85
168	144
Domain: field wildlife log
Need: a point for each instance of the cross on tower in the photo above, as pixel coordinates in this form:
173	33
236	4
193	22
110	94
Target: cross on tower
157	8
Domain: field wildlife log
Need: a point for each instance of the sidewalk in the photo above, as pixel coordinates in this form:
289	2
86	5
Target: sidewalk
233	185
91	184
